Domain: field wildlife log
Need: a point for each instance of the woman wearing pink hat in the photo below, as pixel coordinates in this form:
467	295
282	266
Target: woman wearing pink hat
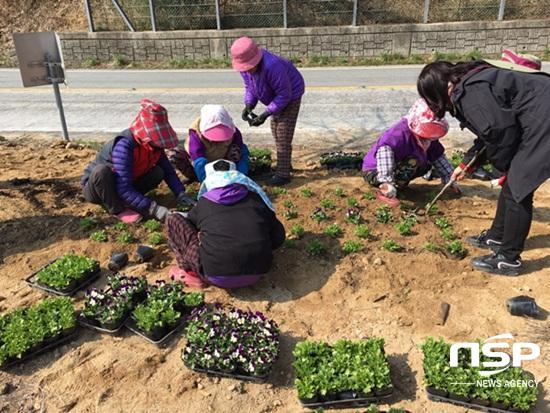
407	150
212	136
276	83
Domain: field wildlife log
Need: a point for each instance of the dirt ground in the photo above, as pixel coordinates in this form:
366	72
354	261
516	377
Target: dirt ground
396	296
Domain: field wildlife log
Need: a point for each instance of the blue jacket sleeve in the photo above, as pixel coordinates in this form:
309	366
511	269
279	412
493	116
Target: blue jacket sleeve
170	176
242	165
198	165
122	157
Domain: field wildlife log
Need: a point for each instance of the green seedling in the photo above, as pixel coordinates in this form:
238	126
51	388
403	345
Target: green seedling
455	247
291	214
369	196
362	231
88	222
319	215
339	192
297	230
125	237
448	234
156	238
443	223
152	225
288	204
404	227
354	216
278	191
327	203
333	230
434	210
120	226
352	202
306	192
316	248
289	243
431	246
383	214
391	245
99	236
350	246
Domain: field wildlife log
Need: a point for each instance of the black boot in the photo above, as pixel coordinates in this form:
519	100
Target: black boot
498	264
483	240
276	180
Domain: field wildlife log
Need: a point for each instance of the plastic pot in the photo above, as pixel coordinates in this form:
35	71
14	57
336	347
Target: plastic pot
118	261
145	253
348	395
437	392
523	305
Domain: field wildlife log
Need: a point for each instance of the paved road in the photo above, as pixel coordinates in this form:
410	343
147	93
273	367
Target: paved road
341	104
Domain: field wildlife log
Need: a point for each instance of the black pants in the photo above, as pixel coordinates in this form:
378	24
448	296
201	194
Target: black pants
512	223
101	187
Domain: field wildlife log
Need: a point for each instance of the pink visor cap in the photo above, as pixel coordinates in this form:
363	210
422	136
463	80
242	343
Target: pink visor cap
424	124
216	124
245	54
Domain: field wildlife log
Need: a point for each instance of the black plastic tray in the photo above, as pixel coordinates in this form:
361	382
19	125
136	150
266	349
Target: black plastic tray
130	324
343	164
348	403
86	322
489	409
83	282
64	337
217	373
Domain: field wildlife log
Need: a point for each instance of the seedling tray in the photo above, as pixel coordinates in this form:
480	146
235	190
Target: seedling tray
94	325
49	344
470	405
160	342
348	403
343	161
88	278
236	376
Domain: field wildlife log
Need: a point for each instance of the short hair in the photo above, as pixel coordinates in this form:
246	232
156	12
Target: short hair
221	165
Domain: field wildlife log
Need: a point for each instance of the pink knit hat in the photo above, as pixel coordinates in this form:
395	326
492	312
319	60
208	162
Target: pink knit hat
245	54
424	124
527	60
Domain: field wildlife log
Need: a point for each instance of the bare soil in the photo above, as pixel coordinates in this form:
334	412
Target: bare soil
396	296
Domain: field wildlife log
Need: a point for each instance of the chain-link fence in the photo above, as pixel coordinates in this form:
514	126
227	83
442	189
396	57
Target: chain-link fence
139	15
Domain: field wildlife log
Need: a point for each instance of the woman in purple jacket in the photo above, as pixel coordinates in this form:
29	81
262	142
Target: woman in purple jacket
276	83
406	150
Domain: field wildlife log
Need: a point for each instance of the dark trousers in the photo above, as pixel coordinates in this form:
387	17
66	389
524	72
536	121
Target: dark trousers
512	223
101	187
283	125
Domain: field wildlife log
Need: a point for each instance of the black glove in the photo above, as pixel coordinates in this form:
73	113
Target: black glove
247	112
260	119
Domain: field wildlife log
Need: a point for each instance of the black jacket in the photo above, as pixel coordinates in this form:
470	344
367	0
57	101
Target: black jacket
236	239
509	112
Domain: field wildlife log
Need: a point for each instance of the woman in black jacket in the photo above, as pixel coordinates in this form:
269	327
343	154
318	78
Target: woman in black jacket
509	112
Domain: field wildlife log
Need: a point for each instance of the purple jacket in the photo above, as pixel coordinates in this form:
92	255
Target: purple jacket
275	83
403	143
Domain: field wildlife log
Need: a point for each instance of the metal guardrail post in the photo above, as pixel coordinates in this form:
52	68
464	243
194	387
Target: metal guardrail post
89	16
218	18
501	9
426	11
285	15
123	15
354	18
153	17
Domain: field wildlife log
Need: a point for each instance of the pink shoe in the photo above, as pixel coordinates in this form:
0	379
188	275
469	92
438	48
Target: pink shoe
128	216
188	278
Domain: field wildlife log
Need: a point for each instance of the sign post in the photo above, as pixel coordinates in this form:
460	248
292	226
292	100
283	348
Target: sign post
41	63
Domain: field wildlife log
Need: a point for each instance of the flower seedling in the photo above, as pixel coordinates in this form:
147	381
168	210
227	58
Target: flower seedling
456	158
333	230
339	192
319	215
277	190
287	203
455	248
121	226
99	236
369	196
297	230
66	270
353	215
431	246
391	245
351	246
88	222
306	192
156	238
289	243
404	227
448	234
443	223
434	210
316	248
352	202
291	214
234	342
25	329
152	225
362	231
327	203
125	237
383	214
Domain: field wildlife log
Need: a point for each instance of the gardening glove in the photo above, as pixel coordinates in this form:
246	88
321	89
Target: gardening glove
183	198
158	211
247	113
459	173
260	119
388	190
498	182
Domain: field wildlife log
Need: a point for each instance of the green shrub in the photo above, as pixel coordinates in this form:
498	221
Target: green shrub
120	60
383	214
91	61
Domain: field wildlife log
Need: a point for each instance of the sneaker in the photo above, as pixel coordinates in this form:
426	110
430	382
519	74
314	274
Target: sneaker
484	241
276	180
128	216
497	264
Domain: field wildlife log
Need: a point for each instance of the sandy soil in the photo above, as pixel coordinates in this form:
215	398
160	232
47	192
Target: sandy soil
373	293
